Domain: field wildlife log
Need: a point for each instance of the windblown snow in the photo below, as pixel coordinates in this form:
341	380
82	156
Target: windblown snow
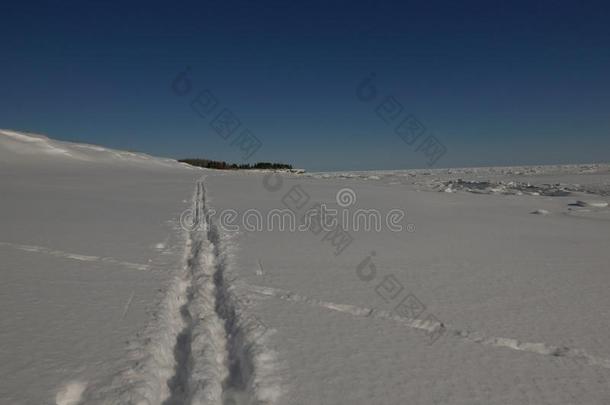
106	298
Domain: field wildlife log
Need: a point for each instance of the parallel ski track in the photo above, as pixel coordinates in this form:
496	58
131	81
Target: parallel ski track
200	347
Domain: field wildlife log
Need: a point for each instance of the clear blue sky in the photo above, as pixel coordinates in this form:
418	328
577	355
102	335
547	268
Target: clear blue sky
497	83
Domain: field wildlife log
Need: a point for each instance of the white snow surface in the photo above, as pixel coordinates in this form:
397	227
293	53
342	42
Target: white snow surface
106	299
33	150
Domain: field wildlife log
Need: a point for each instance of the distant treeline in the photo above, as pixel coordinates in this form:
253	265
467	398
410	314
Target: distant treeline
221	165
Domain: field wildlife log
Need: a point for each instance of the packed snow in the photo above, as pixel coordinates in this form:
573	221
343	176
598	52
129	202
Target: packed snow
123	283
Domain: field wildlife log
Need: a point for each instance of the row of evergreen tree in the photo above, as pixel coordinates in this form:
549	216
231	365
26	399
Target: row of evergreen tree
222	165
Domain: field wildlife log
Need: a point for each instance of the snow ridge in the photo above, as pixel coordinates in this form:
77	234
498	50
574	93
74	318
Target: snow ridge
76	256
19	147
431	326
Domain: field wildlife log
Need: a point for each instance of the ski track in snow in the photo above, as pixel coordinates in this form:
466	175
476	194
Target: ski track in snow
128	304
431	326
200	347
75	256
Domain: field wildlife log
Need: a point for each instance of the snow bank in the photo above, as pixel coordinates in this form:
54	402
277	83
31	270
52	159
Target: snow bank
37	150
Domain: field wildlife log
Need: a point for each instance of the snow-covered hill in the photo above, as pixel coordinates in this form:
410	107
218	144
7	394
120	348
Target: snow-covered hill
88	237
24	148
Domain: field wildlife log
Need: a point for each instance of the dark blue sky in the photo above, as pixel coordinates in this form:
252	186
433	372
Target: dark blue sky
496	84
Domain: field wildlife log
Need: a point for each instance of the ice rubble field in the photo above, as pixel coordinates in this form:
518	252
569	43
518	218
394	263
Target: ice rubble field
106	299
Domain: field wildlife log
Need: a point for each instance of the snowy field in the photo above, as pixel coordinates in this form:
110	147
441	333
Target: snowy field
129	279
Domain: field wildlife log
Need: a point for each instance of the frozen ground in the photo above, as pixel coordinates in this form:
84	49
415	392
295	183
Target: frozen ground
105	298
